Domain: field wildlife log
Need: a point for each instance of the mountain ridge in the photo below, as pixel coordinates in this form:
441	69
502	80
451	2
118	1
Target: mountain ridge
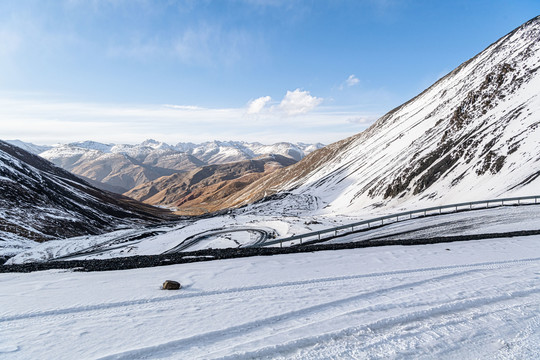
41	202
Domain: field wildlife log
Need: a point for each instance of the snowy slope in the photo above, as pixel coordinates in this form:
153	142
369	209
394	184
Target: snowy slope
213	152
39	202
219	152
474	134
31	148
286	149
472	300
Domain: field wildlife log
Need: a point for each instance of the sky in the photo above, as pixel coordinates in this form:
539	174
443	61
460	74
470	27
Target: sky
123	71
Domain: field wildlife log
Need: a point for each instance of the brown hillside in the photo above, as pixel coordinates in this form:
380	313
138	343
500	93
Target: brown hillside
205	189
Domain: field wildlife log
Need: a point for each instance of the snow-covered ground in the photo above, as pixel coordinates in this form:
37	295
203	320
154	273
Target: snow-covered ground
478	299
488	221
118	244
115	245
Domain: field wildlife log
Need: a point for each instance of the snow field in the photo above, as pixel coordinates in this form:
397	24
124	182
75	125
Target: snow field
477	299
484	221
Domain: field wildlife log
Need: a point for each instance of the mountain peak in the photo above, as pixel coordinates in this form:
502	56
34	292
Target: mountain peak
91	145
156	144
41	201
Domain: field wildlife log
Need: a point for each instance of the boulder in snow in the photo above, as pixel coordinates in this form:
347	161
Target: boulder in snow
171	285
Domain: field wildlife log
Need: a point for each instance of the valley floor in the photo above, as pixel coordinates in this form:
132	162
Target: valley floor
477	299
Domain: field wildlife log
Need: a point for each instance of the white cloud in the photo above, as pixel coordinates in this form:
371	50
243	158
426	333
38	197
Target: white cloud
352	80
256	106
184	107
299	102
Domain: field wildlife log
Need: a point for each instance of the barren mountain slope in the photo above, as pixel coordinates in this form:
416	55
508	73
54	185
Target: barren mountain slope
39	201
473	134
203	189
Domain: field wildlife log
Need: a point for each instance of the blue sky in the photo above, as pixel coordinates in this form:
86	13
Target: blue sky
253	70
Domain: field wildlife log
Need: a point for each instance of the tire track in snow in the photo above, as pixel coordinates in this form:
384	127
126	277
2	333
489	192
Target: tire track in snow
78	309
446	325
525	344
282	320
392	303
192	240
286	349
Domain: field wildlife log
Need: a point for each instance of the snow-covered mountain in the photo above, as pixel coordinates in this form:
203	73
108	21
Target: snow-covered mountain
474	134
39	202
220	152
122	167
31	148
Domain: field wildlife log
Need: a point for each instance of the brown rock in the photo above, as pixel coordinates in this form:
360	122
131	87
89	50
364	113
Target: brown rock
171	285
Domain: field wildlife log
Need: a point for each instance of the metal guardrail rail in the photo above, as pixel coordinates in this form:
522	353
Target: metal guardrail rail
436	210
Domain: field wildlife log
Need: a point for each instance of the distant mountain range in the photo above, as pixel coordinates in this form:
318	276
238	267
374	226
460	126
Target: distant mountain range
121	167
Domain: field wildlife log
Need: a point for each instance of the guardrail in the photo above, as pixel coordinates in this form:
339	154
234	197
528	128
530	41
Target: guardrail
379	221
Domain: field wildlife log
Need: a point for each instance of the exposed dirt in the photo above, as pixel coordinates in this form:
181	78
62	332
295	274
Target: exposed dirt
205	189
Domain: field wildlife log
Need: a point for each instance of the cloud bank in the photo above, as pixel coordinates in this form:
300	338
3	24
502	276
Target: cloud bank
299	116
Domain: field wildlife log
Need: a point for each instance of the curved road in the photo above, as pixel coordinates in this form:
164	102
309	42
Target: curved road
132	239
107	246
194	239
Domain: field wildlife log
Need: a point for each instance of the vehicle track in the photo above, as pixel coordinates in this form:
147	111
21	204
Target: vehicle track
190	241
378	301
391	332
107	246
240	290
